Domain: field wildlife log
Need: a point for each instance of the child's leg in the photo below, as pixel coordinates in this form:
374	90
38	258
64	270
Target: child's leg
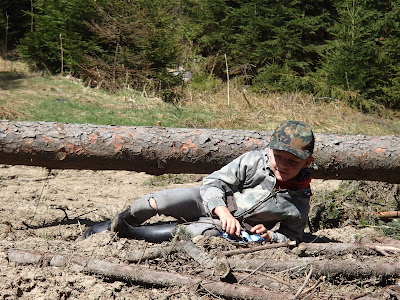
181	203
184	204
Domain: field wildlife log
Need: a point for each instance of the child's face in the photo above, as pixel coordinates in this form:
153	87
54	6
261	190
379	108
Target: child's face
285	165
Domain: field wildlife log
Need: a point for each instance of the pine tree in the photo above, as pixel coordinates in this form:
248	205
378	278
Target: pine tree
362	58
137	40
18	21
53	21
264	36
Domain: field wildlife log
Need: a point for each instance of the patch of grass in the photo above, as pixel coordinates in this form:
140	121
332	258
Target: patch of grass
46	237
354	203
391	229
167	179
34	97
182	234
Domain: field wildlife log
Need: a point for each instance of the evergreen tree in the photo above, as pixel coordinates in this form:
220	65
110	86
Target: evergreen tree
110	43
19	22
351	54
137	40
258	34
362	58
59	23
388	44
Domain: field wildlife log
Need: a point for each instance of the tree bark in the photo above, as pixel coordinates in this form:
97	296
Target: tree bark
315	249
158	150
331	267
388	214
256	248
144	276
219	264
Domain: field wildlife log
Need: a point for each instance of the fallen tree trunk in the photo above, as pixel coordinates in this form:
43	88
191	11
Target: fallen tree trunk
331	267
149	254
157	150
144	276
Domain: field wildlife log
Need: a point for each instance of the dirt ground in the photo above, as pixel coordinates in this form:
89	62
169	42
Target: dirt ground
47	211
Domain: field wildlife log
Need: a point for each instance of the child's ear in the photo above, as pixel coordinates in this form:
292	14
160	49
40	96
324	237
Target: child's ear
308	162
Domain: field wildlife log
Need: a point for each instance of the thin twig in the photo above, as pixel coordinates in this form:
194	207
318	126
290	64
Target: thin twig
266	275
144	250
80	227
258	248
255	270
304	284
315	285
227	79
40	196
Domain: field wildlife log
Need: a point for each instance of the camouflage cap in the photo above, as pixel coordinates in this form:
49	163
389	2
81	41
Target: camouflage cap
295	137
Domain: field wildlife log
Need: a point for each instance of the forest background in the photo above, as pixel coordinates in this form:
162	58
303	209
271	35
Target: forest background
344	50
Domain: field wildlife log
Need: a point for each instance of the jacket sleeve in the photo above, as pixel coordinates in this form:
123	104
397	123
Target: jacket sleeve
229	179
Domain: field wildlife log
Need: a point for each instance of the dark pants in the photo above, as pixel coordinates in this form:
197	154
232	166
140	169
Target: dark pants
184	204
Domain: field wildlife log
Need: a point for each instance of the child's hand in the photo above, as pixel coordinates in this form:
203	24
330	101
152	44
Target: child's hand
261	230
229	224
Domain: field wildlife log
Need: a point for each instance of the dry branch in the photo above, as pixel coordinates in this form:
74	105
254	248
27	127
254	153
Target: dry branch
257	248
314	249
218	264
331	267
388	241
149	254
388	214
158	150
144	276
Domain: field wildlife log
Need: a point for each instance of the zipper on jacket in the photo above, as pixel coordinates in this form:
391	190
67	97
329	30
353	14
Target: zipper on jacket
257	205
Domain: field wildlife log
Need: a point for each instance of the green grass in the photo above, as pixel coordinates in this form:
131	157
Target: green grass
56	99
26	96
355	203
167	179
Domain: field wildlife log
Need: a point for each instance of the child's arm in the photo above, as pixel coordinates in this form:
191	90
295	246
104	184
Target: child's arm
229	224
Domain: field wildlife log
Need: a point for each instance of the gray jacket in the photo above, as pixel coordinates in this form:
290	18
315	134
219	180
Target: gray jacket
247	187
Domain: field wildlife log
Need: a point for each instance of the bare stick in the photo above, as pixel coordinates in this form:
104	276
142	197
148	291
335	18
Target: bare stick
254	271
388	214
304	284
5	56
317	283
62	55
227	79
137	257
312	249
257	248
329	267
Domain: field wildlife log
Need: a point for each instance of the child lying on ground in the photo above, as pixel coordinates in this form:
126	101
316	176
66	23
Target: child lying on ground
253	193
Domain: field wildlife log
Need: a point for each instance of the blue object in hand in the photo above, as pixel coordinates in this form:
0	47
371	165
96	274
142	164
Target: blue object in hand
244	237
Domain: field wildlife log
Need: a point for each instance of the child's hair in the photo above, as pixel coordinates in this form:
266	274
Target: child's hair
295	137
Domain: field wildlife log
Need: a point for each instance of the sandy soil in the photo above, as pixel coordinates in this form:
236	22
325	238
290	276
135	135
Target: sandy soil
44	211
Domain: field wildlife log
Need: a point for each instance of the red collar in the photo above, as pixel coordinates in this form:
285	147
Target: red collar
293	184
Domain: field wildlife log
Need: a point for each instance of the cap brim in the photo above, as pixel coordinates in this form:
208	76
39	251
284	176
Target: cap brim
284	147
